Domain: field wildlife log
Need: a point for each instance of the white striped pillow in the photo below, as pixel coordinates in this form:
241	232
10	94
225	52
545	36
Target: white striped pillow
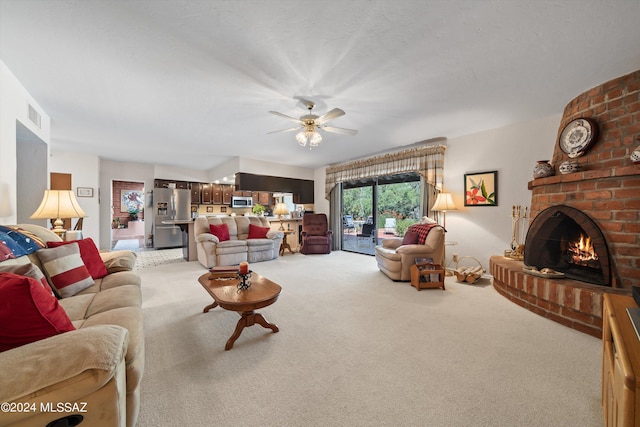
65	270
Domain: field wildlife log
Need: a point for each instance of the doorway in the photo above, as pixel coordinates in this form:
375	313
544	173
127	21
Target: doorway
379	208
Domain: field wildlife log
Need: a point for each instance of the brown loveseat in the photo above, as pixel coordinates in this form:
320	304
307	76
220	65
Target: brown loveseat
94	370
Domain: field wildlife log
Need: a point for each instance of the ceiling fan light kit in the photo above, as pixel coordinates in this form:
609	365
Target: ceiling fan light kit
310	124
309	136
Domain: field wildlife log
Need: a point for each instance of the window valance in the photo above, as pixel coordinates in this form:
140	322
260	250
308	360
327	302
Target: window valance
427	161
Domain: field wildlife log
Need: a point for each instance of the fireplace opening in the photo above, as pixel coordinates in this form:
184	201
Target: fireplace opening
566	240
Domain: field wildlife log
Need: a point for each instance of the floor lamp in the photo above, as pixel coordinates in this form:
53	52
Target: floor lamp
444	203
58	204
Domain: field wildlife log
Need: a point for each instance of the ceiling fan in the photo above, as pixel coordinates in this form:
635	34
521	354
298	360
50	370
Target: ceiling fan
309	124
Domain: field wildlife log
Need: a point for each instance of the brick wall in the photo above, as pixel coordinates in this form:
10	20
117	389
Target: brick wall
608	187
124	185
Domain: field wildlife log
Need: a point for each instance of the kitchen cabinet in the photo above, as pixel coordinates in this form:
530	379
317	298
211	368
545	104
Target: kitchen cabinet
205	194
265	199
195	192
227	191
255	196
216	194
169	183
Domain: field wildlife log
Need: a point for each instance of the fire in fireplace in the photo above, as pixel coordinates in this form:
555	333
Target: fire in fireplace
581	252
566	240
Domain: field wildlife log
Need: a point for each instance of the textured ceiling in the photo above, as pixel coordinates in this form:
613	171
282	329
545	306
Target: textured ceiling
190	83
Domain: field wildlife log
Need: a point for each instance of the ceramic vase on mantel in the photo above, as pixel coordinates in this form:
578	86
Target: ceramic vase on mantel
570	166
542	169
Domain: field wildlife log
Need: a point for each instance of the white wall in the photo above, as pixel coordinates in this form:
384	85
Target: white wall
484	231
481	232
14	106
85	172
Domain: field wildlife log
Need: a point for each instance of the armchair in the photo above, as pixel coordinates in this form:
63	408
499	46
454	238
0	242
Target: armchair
396	255
316	236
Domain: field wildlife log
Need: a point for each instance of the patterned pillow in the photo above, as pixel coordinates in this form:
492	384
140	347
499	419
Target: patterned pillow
257	232
65	270
28	313
220	231
89	254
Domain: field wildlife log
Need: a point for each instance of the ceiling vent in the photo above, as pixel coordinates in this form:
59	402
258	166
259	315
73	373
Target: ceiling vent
34	116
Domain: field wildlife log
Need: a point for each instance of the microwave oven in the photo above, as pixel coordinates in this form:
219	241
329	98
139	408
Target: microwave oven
241	202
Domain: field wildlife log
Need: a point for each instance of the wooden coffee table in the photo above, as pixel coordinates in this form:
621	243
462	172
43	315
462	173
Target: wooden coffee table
224	291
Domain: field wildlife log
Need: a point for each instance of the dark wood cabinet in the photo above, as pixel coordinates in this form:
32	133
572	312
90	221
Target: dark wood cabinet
195	192
168	183
227	191
216	194
255	197
265	199
205	194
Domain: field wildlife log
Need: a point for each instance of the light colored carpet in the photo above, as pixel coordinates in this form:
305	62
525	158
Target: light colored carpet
356	349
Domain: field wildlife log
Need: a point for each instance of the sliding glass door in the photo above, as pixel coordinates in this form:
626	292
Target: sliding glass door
357	217
377	208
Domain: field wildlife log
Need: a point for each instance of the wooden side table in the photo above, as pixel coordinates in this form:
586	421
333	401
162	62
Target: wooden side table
285	245
422	277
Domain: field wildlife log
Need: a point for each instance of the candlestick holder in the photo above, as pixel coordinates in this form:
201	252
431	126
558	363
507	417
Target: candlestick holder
244	282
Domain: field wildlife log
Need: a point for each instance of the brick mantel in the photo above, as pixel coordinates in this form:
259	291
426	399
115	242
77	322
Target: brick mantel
608	187
607	190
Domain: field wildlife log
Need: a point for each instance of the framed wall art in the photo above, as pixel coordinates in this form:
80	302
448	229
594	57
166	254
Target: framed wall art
131	200
84	192
481	189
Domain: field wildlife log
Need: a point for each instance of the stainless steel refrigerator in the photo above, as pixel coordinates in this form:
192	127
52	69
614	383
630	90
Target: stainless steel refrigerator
169	204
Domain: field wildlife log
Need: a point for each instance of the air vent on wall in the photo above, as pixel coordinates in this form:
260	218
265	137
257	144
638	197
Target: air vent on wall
34	116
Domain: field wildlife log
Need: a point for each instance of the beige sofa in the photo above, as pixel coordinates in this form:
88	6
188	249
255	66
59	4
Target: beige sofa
212	252
395	259
97	368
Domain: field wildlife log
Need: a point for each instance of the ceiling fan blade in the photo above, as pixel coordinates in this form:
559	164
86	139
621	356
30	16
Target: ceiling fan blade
293	119
287	130
342	131
333	114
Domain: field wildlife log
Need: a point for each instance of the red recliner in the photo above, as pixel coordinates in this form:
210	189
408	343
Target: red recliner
316	236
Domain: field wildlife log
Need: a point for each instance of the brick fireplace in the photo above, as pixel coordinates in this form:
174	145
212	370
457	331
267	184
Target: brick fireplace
606	190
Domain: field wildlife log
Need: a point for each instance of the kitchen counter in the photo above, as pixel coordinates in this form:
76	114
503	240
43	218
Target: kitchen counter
188	237
275	218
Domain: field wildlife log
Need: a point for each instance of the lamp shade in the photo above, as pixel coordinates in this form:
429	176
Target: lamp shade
58	204
280	209
444	202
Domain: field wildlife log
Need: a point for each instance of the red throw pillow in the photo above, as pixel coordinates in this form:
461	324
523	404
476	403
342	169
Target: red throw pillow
220	231
89	254
257	232
28	313
410	238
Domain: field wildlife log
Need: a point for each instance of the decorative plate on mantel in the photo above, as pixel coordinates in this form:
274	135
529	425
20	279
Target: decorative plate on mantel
577	136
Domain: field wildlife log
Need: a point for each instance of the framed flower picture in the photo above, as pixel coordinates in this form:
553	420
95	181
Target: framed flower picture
481	189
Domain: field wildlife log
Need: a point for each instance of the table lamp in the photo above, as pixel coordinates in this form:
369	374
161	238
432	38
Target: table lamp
58	204
444	203
280	209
